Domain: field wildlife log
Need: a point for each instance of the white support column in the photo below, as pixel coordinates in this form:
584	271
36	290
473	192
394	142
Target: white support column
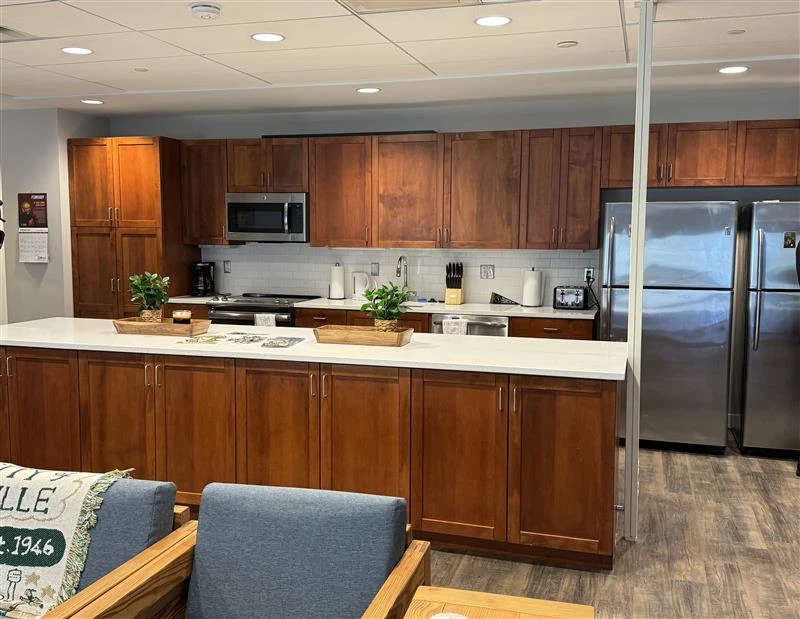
634	374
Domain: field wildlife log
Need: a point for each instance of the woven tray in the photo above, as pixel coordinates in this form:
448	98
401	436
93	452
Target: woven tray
363	336
198	326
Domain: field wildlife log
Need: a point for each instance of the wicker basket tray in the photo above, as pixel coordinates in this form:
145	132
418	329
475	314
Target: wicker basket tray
363	336
136	326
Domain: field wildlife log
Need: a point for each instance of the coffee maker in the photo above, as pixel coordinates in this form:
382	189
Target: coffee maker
202	279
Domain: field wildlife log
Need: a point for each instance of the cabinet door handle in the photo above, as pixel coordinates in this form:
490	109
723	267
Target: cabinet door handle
448	235
500	399
223	231
660	171
560	236
261	179
311	383
553	239
112	284
9	373
366	235
514	400
110	215
438	237
116	210
321	319
551	329
158	368
669	172
146	372
119	285
324	390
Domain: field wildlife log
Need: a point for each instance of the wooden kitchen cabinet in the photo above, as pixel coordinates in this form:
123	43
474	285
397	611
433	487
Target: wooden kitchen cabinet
701	154
311	318
204	173
43	414
137	180
579	195
552	328
277	419
482	189
195	425
138	250
365	429
407	186
247	165
94	272
561	464
91	181
768	152
617	157
278	165
419	322
117	410
341	191
539	211
5	446
459	424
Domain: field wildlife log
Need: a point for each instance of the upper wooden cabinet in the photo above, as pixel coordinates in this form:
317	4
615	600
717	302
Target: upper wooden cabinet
539	211
268	165
700	154
341	191
407	190
137	179
768	152
617	167
482	188
579	196
204	170
91	181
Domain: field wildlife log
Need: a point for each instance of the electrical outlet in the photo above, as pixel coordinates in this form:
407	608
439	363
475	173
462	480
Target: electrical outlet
226	266
588	274
374	268
487	271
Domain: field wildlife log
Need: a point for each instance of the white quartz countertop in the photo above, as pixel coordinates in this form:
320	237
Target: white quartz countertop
473	309
512	355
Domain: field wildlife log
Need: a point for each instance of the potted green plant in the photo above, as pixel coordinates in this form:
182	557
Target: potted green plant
150	292
385	304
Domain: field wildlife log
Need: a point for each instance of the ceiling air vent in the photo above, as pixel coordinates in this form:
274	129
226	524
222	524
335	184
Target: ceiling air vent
8	35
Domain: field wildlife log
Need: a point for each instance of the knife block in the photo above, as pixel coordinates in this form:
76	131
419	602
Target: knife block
454	296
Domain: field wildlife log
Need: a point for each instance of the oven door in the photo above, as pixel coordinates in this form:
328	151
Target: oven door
275	217
224	316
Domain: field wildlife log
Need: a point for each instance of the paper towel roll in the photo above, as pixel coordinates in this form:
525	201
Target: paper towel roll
532	288
337	282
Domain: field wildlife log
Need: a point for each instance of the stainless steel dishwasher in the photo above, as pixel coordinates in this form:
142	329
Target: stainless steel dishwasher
476	325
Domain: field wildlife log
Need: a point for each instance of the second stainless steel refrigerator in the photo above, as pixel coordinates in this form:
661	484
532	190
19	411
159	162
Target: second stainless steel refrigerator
687	307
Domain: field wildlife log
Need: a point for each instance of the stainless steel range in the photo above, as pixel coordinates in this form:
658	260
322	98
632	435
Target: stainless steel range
241	309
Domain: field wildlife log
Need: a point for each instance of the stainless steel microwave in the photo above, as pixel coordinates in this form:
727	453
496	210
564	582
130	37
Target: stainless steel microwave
267	217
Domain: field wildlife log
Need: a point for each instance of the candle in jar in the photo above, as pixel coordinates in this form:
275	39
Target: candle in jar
182	317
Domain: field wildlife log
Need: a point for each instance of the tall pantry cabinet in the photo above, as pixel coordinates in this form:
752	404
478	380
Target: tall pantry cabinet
125	209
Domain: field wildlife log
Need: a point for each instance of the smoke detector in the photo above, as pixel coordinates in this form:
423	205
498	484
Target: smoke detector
205	11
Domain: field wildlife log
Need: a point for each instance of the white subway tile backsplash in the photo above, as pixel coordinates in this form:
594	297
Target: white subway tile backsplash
301	269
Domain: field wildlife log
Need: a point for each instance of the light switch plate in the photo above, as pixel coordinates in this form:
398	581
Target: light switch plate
374	268
226	266
487	271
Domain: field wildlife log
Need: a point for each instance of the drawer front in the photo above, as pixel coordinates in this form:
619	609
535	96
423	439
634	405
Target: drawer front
311	318
198	310
552	328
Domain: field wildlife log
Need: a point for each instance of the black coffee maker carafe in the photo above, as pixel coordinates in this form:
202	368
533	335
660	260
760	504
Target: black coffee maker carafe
202	279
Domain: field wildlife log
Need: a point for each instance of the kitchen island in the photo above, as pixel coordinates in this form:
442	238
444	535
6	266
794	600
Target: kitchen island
501	445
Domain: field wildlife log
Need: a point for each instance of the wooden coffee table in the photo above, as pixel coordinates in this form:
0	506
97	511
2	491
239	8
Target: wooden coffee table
428	601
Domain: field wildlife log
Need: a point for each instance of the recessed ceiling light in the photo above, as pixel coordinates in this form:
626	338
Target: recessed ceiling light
141	69
267	37
492	21
734	70
205	11
92	101
371	90
737	31
564	44
78	51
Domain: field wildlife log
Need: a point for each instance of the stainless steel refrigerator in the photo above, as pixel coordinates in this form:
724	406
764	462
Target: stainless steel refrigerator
771	413
687	305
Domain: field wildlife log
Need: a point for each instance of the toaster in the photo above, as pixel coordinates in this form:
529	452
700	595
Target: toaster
570	297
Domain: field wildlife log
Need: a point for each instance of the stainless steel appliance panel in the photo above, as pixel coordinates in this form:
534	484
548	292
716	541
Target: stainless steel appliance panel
772	374
685	355
615	260
476	325
769	257
614	315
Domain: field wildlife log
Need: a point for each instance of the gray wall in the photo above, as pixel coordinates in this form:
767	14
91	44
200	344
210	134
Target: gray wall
33	159
536	113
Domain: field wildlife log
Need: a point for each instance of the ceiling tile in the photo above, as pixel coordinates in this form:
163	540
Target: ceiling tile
178	14
459	22
180	73
349	75
33	82
119	46
261	63
12	2
528	64
322	32
667	10
54	19
540	47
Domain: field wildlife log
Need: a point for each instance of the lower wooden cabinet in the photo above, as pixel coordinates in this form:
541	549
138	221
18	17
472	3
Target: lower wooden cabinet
312	318
561	464
195	425
552	328
5	446
277	423
365	429
42	387
460	426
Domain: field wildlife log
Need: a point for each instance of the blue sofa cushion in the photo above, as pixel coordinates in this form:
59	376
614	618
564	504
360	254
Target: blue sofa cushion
288	552
134	515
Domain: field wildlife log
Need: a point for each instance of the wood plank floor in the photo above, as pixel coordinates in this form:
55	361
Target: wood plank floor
719	536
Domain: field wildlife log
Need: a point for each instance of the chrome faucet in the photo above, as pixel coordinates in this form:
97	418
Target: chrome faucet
402	270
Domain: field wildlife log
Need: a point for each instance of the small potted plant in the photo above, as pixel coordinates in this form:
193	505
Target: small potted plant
385	304
150	292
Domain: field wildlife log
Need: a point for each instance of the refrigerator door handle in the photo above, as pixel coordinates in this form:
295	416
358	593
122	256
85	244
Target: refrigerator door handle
605	315
757	322
610	259
760	259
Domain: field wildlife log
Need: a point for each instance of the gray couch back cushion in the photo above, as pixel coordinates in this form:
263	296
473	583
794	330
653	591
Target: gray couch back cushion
135	514
288	552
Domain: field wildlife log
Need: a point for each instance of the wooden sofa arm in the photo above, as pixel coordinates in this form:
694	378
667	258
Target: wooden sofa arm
394	597
180	516
100	598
